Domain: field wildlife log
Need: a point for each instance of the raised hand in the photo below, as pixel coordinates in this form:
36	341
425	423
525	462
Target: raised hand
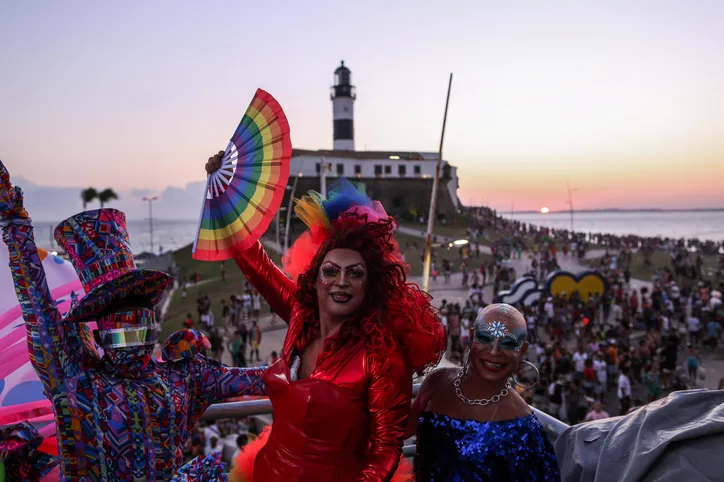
214	162
4	175
11	198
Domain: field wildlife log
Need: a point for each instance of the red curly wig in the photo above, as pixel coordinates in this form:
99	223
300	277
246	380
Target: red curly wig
394	315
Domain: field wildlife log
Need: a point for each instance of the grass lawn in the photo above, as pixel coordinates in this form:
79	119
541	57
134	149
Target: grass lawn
214	287
414	257
450	231
659	260
640	270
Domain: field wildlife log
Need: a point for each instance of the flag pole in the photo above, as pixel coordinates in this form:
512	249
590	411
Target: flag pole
433	199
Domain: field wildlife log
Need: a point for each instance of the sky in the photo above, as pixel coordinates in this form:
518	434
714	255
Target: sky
621	99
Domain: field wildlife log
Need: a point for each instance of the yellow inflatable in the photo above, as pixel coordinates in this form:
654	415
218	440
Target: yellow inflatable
586	283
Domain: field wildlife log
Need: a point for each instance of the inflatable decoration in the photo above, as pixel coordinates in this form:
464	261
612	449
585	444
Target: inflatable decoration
524	291
586	283
21	393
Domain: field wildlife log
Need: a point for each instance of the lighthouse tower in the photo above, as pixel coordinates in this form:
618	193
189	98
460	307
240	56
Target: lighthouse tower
343	97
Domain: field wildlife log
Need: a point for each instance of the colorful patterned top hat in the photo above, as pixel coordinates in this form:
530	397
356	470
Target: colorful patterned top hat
97	244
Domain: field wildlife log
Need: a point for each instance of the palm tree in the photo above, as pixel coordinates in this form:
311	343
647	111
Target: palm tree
107	195
88	196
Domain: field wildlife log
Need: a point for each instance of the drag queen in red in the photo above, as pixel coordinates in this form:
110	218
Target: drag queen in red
342	387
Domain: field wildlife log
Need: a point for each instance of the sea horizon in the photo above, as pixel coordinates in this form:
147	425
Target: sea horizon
623	210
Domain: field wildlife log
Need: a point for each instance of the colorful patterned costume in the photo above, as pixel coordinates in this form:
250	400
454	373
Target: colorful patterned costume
346	421
19	447
124	416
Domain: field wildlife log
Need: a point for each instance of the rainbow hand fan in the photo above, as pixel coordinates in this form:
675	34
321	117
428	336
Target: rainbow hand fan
242	197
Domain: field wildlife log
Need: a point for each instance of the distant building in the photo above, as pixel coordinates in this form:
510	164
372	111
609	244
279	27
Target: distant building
343	97
402	181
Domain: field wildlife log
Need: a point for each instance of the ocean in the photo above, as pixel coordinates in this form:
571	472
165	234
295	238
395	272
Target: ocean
168	235
676	224
172	235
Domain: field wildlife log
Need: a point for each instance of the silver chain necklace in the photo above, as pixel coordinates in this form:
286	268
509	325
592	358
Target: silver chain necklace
479	401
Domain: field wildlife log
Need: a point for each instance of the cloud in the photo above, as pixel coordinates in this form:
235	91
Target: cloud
142	192
181	203
53	203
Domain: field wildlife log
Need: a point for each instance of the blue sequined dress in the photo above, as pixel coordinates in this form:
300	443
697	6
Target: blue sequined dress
451	450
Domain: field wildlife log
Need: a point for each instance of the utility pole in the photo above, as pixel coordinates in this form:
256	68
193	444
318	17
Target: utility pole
276	229
570	202
289	210
150	201
323	178
433	199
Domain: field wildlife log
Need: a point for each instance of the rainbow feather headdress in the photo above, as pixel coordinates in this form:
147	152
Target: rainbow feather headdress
320	216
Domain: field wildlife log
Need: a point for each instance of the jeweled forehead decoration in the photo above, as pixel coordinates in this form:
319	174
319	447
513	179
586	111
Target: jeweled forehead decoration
496	328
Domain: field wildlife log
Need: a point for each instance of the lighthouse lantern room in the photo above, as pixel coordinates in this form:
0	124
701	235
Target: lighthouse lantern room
343	97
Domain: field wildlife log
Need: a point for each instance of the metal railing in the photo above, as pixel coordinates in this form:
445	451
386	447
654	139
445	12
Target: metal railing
249	408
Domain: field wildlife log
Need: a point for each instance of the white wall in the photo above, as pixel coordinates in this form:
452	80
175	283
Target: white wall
308	166
343	108
343	144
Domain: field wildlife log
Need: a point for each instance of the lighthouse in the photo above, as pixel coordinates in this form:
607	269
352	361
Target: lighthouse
343	97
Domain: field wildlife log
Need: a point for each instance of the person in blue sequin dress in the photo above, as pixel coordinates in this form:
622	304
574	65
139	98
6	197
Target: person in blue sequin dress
470	423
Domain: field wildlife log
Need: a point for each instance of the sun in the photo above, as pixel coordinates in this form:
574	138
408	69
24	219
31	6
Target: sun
544	210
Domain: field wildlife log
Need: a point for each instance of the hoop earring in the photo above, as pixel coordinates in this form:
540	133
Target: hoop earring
466	363
537	378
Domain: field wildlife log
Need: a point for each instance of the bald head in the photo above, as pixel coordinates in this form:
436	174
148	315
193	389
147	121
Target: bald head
503	313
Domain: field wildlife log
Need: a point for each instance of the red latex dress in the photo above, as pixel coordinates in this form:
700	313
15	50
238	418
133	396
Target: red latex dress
346	421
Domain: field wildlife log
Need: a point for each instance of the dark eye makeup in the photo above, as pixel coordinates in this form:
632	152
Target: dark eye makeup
354	271
506	342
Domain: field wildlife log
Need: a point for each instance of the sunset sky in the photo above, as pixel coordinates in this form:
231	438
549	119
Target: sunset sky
624	99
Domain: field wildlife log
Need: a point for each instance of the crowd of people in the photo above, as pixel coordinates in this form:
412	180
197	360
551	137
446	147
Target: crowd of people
237	330
358	332
227	436
598	356
603	353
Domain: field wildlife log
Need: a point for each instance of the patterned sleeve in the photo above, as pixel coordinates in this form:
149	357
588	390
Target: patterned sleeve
220	382
46	340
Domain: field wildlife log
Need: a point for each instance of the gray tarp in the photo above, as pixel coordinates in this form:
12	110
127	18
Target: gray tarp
679	438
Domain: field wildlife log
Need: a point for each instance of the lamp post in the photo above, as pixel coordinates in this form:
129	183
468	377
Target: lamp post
276	229
150	201
458	243
289	210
